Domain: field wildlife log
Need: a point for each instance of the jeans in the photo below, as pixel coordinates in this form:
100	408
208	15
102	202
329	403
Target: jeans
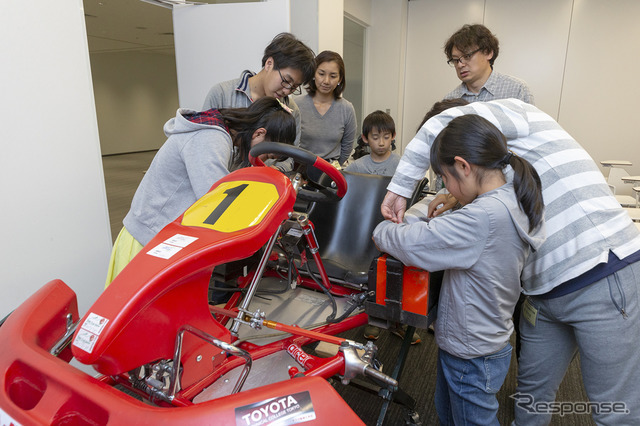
466	388
602	323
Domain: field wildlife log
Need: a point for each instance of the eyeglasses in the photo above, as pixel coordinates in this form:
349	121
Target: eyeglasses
293	88
464	59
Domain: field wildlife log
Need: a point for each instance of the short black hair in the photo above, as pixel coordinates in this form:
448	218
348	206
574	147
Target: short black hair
378	120
289	52
471	37
441	106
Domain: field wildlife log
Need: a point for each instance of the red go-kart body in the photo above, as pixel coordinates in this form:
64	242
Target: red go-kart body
154	342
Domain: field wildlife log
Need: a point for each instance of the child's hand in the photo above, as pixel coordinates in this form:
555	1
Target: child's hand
440	204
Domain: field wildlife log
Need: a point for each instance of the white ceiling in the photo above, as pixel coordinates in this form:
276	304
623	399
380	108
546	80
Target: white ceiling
129	25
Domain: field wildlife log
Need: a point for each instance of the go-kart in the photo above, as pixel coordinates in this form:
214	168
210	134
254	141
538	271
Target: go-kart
164	354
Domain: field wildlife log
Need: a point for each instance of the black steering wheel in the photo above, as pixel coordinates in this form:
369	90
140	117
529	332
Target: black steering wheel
325	194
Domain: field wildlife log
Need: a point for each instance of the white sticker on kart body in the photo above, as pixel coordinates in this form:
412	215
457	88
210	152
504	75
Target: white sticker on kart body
94	323
85	340
169	247
164	251
180	240
89	332
7	420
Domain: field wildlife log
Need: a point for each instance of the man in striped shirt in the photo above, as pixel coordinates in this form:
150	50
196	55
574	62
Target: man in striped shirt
581	285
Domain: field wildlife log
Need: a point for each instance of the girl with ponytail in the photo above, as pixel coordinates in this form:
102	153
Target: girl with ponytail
482	247
472	141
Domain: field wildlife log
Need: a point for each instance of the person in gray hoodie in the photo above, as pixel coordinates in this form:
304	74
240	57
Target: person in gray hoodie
201	148
482	247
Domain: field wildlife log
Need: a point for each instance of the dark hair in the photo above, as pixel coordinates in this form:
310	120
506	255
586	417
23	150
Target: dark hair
289	52
266	112
472	37
329	56
479	142
441	106
378	120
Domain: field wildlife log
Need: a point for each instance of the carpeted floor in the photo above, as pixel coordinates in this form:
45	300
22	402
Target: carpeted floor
419	379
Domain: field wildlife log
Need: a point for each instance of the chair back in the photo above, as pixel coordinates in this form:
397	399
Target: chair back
344	229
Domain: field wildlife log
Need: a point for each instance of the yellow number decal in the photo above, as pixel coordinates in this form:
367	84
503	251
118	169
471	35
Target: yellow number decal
232	206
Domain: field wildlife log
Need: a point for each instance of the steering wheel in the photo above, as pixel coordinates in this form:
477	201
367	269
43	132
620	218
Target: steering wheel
325	194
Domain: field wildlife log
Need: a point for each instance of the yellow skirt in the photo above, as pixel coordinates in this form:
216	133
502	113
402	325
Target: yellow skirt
124	249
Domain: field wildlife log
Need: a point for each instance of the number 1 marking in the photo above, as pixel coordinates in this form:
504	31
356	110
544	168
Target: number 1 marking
231	195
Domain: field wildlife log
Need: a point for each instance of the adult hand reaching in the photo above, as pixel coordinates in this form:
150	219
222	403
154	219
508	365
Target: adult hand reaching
393	207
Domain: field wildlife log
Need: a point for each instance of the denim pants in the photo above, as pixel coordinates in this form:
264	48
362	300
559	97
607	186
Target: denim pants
466	388
602	323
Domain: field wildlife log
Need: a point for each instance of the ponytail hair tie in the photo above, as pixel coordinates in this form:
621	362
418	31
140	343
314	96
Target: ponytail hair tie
284	106
507	158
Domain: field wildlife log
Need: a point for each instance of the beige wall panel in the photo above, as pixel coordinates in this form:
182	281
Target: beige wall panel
533	44
600	91
428	77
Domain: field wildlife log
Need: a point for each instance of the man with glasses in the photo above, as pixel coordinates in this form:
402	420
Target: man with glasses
472	50
287	64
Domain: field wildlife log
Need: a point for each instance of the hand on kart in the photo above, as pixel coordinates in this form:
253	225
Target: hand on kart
393	207
440	204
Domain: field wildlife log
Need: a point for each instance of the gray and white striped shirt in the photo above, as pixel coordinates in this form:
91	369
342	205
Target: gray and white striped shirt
583	219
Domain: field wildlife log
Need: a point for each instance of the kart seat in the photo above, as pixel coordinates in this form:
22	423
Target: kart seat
344	229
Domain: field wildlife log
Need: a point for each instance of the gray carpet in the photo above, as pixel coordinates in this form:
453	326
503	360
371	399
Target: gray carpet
419	379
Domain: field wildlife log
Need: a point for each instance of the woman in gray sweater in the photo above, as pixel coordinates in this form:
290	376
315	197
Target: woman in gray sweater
328	121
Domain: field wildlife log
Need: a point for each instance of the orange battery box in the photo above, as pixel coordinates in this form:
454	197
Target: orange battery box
403	294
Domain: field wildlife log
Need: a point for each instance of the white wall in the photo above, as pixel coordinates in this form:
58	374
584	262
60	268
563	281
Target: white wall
330	25
539	59
576	55
599	94
318	23
428	77
567	51
304	22
136	93
386	45
234	47
534	46
359	10
54	212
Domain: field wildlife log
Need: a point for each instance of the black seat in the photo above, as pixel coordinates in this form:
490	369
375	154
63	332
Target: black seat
344	229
